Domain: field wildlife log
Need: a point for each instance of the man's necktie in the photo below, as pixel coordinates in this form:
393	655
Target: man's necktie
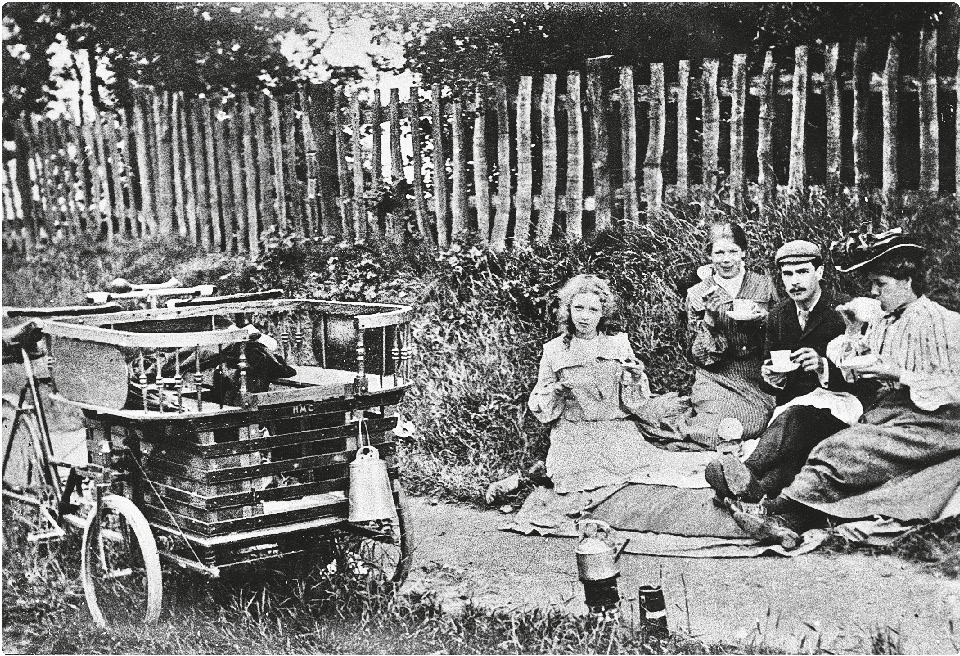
802	316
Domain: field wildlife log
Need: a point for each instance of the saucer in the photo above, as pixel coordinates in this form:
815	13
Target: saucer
793	366
858	361
744	316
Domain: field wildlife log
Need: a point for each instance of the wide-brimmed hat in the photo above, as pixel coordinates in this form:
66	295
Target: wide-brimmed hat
797	251
862	248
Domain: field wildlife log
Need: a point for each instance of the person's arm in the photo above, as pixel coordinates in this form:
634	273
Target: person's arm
705	328
547	398
634	384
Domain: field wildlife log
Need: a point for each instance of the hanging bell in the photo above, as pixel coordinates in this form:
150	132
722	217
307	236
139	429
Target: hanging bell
370	496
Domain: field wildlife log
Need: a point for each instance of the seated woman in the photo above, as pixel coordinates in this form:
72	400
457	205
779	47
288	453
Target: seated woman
726	347
590	388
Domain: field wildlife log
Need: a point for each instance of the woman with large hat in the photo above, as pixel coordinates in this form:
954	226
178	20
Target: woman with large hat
902	460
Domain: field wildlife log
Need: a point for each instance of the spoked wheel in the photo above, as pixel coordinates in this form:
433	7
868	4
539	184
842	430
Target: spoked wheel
379	552
121	567
23	474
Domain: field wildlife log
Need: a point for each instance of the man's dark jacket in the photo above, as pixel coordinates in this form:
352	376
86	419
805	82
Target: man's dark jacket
783	332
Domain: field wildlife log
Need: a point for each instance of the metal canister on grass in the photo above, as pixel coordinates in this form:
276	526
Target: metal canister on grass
597	566
654	608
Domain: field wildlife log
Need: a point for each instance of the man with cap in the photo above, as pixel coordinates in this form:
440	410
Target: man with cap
803	324
902	459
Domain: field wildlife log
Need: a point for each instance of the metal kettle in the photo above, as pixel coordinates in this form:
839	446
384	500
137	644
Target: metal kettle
597	559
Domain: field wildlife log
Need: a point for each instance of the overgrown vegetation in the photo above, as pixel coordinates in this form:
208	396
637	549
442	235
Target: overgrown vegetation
266	611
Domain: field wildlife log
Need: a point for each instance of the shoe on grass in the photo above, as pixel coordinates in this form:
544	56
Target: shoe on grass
739	478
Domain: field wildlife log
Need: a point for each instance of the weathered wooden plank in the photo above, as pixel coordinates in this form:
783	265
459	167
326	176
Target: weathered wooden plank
224	157
239	217
458	157
26	154
766	176
359	204
137	223
524	195
481	181
62	148
711	129
10	231
548	187
81	162
653	162
310	157
597	102
261	129
376	129
628	146
200	174
683	89
929	127
956	151
162	111
276	153
419	198
252	240
177	144
53	210
890	106
330	222
798	157
294	187
99	170
439	168
397	177
861	101
138	134
501	219
213	184
110	143
738	105
189	175
343	170
831	96
574	195
93	171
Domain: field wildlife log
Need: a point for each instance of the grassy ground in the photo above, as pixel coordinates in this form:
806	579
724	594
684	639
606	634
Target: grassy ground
267	611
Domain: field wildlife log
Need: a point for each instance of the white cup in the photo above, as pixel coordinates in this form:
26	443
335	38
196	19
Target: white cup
744	306
781	359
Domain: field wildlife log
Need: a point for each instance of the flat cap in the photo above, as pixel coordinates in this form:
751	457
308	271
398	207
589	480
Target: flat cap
797	251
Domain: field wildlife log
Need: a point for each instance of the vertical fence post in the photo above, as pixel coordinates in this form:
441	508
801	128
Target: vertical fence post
397	177
481	172
140	125
109	198
188	172
177	144
683	92
310	156
62	148
82	160
164	145
653	163
343	171
294	195
261	130
225	182
628	145
861	102
419	198
241	184
142	225
320	104
737	107
458	156
798	157
521	230
376	130
96	182
360	224
597	100
250	174
929	127
200	173
279	186
548	185
574	196
831	96
956	112
766	175
711	129
439	167
110	143
501	220
31	214
890	103
213	185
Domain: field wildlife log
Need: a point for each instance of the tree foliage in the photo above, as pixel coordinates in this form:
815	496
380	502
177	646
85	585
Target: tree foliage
471	42
189	47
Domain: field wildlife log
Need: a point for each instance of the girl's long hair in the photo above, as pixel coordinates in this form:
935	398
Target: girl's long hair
588	284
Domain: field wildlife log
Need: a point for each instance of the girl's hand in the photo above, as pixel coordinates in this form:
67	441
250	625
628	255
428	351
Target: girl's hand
713	301
633	367
878	369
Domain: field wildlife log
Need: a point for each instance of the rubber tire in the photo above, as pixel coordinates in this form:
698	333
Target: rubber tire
148	551
405	560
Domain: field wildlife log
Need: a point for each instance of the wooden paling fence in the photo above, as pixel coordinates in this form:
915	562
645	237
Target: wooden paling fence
519	161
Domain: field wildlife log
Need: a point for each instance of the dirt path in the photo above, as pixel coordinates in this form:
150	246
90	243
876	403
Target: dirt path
834	600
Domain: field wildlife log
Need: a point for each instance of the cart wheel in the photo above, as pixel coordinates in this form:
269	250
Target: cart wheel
22	471
121	566
385	558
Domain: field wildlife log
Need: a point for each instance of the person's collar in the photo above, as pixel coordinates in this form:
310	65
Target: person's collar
731	285
816	300
896	313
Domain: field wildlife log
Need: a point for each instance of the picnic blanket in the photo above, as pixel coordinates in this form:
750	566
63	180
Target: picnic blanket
680	519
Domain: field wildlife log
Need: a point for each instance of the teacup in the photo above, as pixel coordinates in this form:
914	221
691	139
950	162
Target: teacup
744	306
781	359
